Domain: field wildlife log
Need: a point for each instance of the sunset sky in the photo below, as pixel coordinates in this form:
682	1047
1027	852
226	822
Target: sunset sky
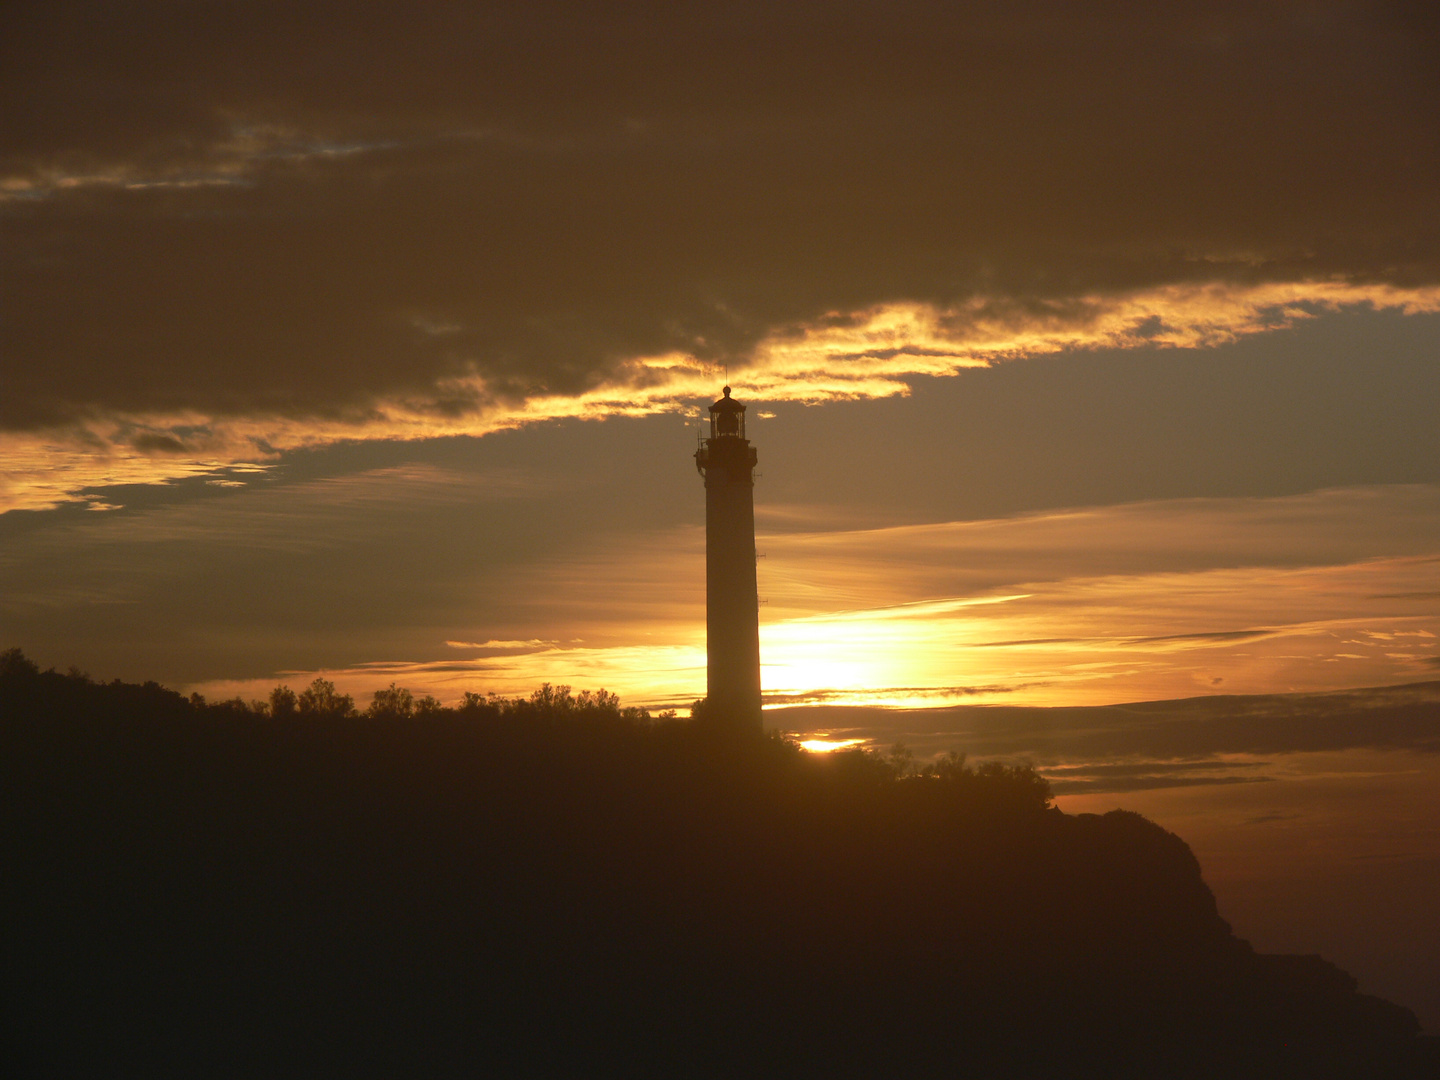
1092	355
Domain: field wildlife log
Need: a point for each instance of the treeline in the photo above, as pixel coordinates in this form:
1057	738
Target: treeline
321	700
554	886
23	686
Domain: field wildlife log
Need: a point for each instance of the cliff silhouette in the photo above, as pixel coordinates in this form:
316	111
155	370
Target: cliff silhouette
559	886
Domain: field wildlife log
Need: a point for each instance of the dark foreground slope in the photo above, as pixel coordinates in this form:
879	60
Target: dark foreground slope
200	891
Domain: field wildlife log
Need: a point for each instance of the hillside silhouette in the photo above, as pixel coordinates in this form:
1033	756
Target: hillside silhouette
559	886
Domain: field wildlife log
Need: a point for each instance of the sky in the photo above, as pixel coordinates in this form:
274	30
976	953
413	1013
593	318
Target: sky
1091	351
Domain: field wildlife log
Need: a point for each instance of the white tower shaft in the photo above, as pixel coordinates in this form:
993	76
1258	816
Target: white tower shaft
732	620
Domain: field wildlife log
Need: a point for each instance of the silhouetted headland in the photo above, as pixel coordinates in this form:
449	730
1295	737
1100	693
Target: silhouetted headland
557	886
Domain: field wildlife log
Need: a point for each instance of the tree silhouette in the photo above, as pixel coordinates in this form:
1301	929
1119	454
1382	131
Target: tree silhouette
393	701
283	702
321	700
15	666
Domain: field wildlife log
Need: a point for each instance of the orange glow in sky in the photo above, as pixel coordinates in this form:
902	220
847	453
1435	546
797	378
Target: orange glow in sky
1296	612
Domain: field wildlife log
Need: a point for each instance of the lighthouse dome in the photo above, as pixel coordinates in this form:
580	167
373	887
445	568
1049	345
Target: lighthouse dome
727	417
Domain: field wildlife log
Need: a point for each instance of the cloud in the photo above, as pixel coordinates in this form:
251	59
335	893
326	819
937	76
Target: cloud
152	443
1126	769
885	694
799	363
528	645
1266	819
289	570
1115	777
1144	781
1150	740
1224	637
833	567
230	228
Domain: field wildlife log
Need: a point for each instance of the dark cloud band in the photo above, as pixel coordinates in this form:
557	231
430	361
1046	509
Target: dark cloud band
249	211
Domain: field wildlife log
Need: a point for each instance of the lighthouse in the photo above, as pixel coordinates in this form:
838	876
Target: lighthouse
732	615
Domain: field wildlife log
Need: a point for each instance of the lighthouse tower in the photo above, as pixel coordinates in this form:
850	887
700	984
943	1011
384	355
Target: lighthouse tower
732	619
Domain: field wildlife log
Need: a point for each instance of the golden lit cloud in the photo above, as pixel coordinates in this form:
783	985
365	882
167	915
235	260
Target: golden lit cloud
846	356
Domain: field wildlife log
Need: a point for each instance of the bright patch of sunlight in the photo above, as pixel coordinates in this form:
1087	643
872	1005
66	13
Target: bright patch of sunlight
824	744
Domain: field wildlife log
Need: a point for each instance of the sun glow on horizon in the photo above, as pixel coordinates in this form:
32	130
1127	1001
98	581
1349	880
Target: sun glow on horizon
822	743
929	624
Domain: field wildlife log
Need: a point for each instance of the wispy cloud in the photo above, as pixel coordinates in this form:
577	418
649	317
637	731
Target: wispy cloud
1201	739
529	645
228	159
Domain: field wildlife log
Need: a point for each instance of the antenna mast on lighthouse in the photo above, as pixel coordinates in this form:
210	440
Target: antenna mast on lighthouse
732	614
